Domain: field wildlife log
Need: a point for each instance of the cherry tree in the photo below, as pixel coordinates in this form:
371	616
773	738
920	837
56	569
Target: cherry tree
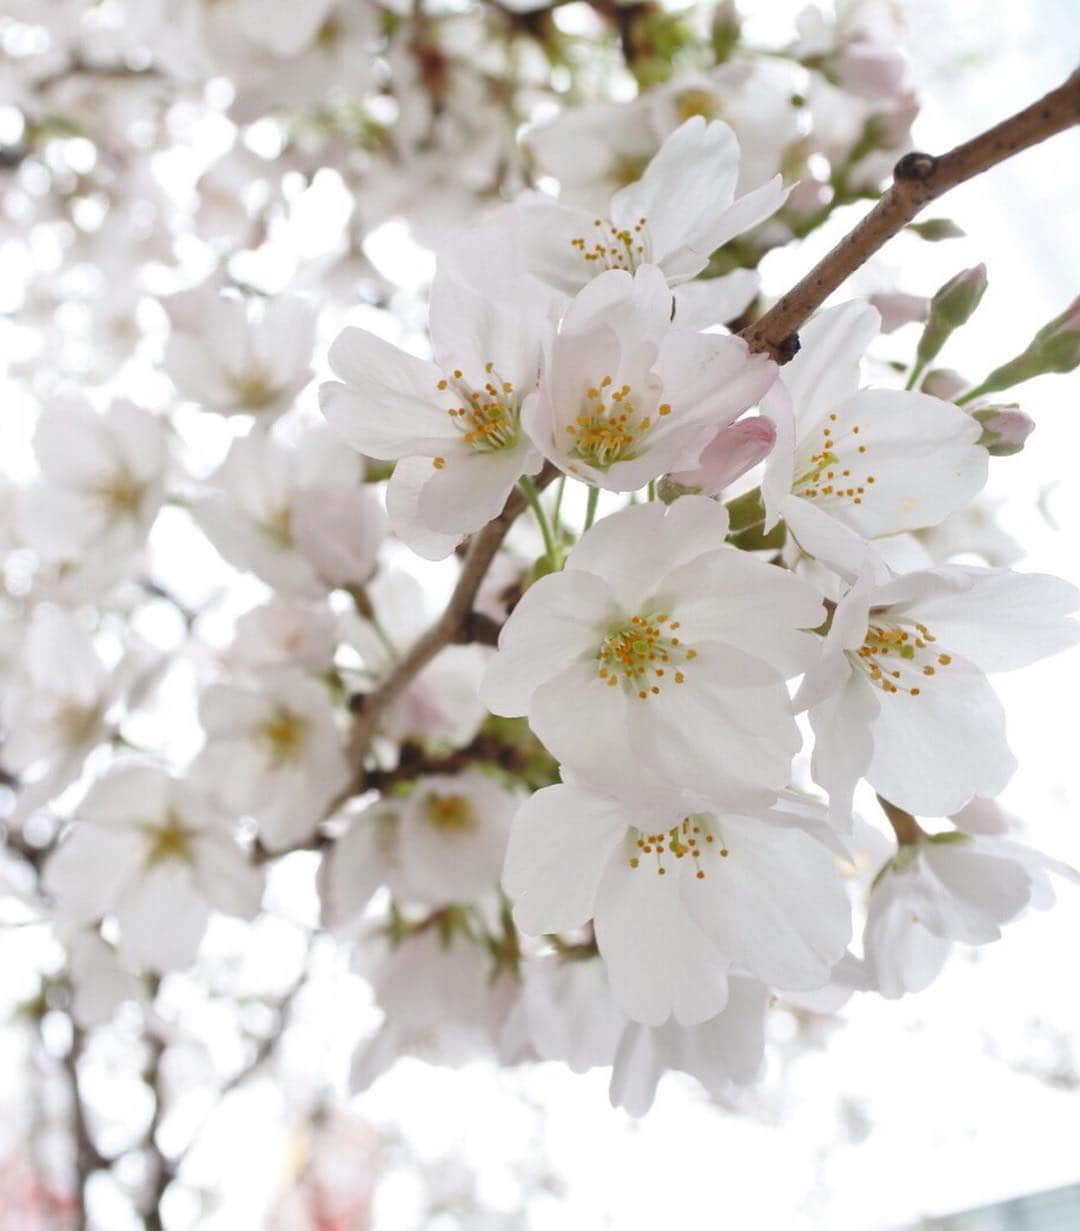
433	558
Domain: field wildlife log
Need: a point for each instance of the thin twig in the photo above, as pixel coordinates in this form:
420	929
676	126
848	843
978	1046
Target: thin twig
918	179
447	627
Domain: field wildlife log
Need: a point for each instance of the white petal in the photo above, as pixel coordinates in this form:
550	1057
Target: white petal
161	919
1004	620
659	962
390	405
933	752
403	507
728	727
638	546
561	618
775	906
470	488
561	840
843	743
733	597
825	372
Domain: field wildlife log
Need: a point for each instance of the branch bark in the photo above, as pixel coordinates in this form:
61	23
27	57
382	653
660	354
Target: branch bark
448	627
917	180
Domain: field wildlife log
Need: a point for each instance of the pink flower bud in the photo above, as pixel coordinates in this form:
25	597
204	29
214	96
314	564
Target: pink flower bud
1005	428
898	308
807	197
943	383
870	70
731	454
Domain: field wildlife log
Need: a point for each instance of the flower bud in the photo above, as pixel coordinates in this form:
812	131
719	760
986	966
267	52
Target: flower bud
934	230
870	69
943	383
898	309
1005	428
952	306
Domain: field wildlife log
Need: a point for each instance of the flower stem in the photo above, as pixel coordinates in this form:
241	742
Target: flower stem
590	507
533	497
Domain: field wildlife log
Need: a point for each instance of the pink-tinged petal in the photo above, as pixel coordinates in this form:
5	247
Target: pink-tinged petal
338	529
934	751
659	962
403	508
732	597
390	404
561	618
470	330
779	476
709	376
636	547
733	451
561	840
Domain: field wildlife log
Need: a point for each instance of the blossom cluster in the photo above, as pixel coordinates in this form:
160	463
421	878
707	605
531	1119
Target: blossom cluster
555	650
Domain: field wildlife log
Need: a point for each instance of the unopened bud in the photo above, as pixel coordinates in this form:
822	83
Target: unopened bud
1005	428
870	69
943	383
934	230
898	309
952	306
1055	348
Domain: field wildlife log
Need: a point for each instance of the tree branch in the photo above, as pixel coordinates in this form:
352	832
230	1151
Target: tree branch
446	629
917	180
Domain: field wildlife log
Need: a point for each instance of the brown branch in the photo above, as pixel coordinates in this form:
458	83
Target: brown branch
917	180
447	628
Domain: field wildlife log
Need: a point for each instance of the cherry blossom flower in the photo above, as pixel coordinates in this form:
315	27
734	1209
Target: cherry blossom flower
627	395
569	1015
227	356
442	843
678	895
441	1002
949	888
102	481
62	703
453	426
297	515
674	217
900	695
284	633
273	752
146	848
854	464
659	649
